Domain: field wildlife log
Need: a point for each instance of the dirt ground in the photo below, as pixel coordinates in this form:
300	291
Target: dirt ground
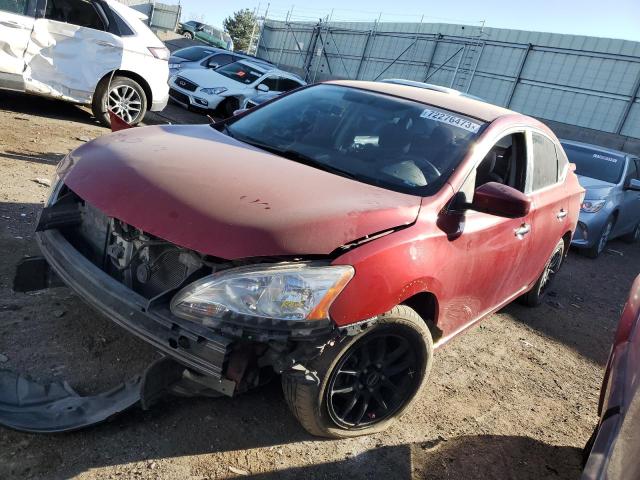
515	397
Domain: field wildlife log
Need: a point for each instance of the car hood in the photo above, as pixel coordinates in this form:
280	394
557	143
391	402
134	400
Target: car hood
595	188
200	189
208	78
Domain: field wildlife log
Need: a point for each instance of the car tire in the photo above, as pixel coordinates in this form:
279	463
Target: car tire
227	107
317	405
188	35
597	248
536	295
134	98
634	236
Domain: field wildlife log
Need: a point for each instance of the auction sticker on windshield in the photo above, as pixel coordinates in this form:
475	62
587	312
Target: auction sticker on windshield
450	119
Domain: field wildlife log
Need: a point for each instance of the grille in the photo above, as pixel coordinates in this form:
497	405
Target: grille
186	84
180	97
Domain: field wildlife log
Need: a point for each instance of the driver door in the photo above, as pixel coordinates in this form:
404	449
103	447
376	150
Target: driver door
16	24
488	261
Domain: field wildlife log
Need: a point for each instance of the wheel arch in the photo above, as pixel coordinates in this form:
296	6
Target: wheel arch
426	305
133	76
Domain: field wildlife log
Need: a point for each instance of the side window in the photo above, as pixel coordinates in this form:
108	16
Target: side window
563	161
14	6
545	162
287	84
632	171
272	83
505	163
75	12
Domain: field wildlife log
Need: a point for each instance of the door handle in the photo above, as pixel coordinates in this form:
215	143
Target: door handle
561	214
105	44
523	230
11	24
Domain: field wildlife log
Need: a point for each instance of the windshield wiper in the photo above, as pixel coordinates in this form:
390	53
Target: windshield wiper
300	158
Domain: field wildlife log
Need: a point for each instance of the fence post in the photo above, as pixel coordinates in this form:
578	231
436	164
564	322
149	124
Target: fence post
366	46
432	54
518	75
627	108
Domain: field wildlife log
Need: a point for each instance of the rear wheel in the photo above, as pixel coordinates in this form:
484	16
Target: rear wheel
367	381
600	244
634	236
124	96
535	296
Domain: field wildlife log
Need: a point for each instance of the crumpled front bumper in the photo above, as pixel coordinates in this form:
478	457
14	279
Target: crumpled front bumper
191	345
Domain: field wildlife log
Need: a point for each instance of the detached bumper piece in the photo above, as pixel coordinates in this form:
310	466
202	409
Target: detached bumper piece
28	406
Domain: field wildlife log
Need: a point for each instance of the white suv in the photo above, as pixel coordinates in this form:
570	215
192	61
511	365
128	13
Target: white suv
93	52
225	89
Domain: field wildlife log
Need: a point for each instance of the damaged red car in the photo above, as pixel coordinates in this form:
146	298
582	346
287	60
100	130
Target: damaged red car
334	237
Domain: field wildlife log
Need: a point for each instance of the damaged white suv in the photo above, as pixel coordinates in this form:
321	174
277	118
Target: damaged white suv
92	52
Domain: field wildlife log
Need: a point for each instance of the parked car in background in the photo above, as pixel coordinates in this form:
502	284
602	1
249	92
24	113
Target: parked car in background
611	207
213	36
430	86
335	236
223	90
613	450
200	56
92	52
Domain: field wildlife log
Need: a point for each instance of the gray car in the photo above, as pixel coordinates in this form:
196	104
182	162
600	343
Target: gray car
611	206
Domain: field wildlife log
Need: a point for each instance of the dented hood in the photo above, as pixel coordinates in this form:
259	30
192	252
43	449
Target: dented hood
203	190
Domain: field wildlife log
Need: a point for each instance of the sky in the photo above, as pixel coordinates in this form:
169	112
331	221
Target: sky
612	18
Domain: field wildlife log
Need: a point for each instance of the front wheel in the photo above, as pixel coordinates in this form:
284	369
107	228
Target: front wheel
535	296
366	381
123	96
188	35
601	242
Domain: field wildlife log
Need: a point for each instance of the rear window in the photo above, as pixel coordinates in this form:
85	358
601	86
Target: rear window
596	164
240	72
193	54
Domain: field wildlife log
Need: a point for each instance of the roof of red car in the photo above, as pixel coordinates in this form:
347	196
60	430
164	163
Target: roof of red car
457	103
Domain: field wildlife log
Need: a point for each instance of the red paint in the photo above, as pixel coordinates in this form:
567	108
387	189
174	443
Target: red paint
202	190
205	191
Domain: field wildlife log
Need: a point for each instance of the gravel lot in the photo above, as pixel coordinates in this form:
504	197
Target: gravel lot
515	397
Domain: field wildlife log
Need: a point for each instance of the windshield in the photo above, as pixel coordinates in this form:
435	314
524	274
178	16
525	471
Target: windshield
386	141
603	166
193	54
240	72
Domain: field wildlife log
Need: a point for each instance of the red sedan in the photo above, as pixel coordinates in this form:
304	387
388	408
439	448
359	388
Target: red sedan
335	236
615	445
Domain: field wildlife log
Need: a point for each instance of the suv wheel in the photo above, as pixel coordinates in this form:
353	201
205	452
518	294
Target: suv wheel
366	381
601	242
188	35
535	296
124	96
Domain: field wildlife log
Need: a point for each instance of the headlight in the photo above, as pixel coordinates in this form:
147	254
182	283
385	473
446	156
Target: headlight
214	90
175	65
285	292
592	206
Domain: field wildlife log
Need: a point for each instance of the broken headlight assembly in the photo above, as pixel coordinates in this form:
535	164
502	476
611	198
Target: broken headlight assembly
290	293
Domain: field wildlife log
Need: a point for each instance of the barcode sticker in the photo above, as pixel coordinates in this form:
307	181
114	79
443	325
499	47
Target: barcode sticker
450	119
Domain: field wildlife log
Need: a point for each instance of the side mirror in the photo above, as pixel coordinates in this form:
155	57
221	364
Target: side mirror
199	28
262	87
501	200
633	184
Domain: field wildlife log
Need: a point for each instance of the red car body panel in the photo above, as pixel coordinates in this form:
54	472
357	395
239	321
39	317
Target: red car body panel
235	201
616	445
